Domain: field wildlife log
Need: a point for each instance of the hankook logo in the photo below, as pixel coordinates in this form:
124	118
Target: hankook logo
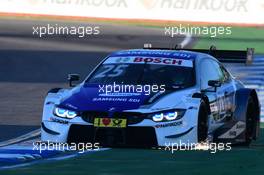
149	4
209	5
95	3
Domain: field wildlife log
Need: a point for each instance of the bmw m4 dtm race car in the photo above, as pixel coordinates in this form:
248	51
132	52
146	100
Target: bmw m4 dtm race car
193	98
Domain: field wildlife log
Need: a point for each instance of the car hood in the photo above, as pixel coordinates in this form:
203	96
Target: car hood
89	98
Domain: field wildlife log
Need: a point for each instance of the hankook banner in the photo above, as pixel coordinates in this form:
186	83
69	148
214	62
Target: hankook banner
215	11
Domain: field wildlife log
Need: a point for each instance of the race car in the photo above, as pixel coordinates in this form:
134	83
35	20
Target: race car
153	97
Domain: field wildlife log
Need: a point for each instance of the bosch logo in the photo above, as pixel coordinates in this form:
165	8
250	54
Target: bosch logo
168	61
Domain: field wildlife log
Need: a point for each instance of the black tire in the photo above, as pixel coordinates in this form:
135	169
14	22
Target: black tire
202	128
250	121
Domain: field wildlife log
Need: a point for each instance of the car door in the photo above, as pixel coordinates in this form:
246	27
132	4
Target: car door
220	100
226	94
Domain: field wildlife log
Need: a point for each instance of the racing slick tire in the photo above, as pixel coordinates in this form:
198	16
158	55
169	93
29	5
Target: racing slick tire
202	128
251	121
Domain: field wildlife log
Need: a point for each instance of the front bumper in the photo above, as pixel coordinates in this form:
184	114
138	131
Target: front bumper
144	133
113	137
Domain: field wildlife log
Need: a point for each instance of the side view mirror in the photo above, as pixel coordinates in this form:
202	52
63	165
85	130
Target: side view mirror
72	78
214	83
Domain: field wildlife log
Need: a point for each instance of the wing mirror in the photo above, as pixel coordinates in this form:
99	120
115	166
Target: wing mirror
72	78
214	83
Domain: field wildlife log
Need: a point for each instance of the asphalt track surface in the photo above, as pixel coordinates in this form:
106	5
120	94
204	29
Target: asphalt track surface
30	66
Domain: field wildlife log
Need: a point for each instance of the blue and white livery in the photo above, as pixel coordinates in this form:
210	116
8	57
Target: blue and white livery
154	97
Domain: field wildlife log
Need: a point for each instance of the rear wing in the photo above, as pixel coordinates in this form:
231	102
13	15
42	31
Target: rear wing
225	56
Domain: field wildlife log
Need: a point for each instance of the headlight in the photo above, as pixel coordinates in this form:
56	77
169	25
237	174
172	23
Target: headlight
64	113
167	115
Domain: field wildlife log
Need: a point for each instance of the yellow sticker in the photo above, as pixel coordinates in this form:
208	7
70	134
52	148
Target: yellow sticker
110	122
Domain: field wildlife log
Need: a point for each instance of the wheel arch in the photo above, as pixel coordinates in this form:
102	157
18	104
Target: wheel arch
205	99
241	102
254	95
240	113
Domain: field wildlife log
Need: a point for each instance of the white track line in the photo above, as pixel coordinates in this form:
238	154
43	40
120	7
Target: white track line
187	40
15	156
27	136
51	159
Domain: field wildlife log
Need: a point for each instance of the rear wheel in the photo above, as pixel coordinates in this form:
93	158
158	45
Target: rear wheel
202	129
250	121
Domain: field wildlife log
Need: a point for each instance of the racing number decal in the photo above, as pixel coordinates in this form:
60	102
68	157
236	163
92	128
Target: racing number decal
108	68
221	103
116	71
225	103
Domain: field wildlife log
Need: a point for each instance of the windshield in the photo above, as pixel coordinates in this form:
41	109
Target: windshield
138	70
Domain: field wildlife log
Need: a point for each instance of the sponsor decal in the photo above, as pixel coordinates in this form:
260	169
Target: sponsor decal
168	124
232	133
117	94
155	53
106	121
122	59
156	96
150	60
71	106
59	120
109	99
110	122
213	107
160	109
241	125
168	61
235	131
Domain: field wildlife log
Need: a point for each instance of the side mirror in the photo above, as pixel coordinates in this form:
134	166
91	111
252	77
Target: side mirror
214	83
72	78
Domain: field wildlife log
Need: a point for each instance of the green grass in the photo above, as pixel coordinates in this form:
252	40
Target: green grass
242	160
241	38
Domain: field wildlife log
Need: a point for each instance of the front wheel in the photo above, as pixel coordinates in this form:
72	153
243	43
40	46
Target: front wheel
202	129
